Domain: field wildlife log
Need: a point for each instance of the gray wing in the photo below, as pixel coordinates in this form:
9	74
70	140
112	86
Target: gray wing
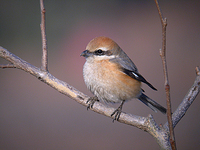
125	62
129	68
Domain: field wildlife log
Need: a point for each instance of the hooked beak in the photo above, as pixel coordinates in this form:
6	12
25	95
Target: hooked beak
85	53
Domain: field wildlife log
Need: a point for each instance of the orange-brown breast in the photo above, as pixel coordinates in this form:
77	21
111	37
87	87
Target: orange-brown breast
117	82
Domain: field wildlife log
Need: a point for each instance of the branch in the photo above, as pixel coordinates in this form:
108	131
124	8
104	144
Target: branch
67	89
7	66
44	40
187	101
147	124
167	86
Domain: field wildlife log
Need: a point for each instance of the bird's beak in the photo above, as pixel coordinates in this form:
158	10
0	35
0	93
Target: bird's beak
85	53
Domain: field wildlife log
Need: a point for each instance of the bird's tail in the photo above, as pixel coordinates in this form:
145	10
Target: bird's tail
152	104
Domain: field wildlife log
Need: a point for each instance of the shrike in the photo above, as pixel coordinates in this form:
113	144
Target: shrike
112	77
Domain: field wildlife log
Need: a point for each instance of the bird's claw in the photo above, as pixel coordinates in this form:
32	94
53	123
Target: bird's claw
116	114
91	102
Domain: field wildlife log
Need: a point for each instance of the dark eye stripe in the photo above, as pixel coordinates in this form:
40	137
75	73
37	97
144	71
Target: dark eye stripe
99	52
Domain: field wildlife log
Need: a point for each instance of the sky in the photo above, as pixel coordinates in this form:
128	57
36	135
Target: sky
35	116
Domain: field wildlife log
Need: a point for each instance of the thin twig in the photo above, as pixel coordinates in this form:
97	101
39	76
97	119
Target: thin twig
187	101
7	66
167	86
44	66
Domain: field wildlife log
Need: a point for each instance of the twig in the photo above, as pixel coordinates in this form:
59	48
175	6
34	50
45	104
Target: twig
44	40
167	86
187	101
7	66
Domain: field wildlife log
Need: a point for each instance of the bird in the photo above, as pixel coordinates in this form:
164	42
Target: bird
112	77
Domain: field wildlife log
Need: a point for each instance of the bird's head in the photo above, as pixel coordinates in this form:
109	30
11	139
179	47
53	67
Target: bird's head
101	48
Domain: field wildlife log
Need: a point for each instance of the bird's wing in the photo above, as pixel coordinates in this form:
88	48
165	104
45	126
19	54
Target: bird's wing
137	76
124	61
129	68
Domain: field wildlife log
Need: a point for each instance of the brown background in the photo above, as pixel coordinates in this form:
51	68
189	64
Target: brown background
35	116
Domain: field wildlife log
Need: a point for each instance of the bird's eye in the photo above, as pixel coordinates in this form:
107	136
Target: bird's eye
99	52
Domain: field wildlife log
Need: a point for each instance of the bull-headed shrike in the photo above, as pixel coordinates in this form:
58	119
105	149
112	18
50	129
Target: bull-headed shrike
112	77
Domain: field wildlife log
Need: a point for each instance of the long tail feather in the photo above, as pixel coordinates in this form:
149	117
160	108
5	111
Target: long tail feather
152	104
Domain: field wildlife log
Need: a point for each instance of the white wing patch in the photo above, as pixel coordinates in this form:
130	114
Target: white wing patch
135	74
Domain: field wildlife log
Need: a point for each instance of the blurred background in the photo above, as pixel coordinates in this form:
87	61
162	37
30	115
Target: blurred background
35	116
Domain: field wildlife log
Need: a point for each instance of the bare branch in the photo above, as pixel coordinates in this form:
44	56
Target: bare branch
167	86
7	66
187	101
44	40
147	124
68	90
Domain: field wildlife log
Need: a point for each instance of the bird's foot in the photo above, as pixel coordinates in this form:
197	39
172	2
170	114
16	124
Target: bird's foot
117	112
91	102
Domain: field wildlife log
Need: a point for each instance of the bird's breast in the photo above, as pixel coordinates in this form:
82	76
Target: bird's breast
105	80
